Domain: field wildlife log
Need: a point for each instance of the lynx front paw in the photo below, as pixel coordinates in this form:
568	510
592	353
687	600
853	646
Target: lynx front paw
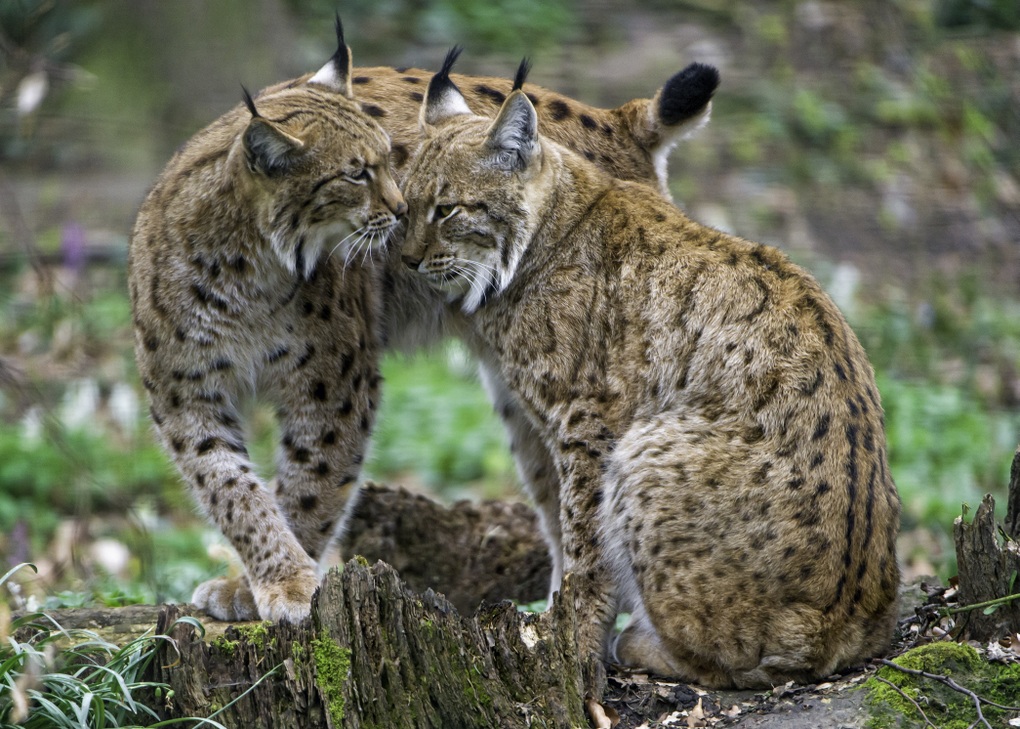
226	599
289	599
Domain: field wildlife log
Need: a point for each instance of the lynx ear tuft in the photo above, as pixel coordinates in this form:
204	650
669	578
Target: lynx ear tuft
268	150
444	99
336	74
250	103
513	136
522	74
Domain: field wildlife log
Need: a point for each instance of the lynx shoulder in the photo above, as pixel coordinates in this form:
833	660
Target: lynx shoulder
238	284
712	420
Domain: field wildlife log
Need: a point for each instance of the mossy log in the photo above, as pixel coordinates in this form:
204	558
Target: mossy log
376	654
988	565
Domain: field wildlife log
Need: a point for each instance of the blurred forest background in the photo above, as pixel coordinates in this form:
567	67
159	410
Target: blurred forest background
877	142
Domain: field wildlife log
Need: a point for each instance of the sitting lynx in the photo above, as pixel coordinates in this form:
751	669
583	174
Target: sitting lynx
236	280
239	283
714	423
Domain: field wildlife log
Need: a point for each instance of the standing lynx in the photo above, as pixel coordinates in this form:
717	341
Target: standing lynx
713	422
237	282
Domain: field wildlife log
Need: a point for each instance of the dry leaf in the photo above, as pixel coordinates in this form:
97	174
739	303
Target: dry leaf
696	717
598	715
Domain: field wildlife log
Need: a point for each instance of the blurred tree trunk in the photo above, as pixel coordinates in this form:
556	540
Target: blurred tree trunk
988	565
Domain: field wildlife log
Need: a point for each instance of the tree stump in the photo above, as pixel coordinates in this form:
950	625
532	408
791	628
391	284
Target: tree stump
374	653
470	552
988	565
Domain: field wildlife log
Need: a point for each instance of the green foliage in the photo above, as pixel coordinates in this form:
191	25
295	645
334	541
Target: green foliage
43	34
56	678
512	26
991	14
944	361
437	424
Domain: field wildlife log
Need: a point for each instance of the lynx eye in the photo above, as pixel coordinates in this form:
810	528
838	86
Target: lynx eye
444	211
358	176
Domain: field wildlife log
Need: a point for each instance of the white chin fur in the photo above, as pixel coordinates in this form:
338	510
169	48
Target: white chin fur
287	251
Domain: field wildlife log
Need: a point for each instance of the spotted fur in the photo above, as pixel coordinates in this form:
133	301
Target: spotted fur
236	288
712	420
239	283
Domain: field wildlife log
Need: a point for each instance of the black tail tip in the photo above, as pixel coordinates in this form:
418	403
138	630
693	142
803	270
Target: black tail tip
687	93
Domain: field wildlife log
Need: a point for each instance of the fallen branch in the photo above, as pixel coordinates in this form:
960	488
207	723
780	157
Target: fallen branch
947	681
978	605
927	722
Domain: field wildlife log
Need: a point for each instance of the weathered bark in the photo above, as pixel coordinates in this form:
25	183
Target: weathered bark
470	552
988	566
375	653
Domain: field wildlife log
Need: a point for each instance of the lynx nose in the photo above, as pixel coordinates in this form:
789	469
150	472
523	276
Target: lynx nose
411	262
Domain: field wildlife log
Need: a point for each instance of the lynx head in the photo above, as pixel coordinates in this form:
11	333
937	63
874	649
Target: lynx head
319	166
474	189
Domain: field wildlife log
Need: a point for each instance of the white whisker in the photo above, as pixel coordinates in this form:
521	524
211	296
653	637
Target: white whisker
344	240
354	246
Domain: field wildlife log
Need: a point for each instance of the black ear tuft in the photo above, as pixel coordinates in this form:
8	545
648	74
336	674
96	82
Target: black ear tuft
441	80
338	24
451	58
340	55
522	74
250	103
687	93
336	74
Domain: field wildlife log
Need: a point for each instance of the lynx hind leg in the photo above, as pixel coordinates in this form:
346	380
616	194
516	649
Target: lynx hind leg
226	598
697	574
639	647
535	468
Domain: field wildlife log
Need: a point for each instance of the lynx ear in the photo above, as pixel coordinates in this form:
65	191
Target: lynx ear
443	99
267	148
513	136
336	74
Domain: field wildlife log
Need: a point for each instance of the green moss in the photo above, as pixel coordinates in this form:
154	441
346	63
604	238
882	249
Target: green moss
299	653
361	561
225	644
332	669
257	634
945	707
